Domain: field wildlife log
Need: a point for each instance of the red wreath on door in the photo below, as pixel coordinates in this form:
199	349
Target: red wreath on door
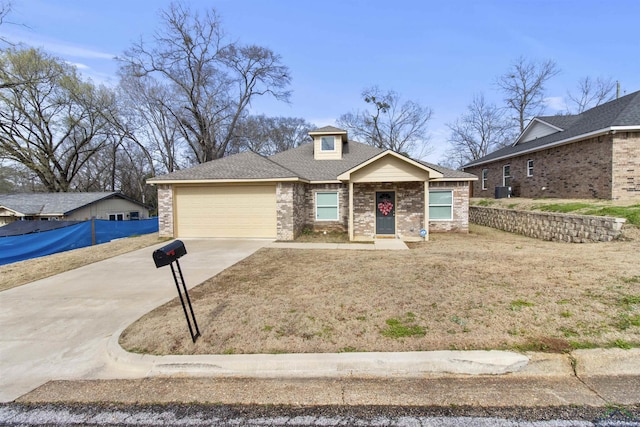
385	207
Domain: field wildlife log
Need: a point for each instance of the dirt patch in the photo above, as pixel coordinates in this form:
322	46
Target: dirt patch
20	273
483	290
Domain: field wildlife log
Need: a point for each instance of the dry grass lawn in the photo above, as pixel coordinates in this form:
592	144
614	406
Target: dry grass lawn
484	290
20	273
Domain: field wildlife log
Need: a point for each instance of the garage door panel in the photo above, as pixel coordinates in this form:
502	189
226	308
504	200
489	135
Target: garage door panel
226	211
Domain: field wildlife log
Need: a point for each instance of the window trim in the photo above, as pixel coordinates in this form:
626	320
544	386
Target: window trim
431	204
116	215
334	144
529	167
484	178
337	205
504	176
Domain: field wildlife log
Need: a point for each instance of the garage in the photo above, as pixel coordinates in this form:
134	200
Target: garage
226	211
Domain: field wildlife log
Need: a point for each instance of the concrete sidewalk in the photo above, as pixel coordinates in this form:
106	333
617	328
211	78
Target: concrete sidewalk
547	380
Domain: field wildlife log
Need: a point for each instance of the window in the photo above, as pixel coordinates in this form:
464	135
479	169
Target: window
506	175
328	143
529	167
134	215
485	173
327	206
440	205
116	217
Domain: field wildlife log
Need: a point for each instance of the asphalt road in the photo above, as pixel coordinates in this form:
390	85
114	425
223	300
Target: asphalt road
247	415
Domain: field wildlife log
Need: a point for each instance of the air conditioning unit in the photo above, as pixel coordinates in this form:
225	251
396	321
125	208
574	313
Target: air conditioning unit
502	192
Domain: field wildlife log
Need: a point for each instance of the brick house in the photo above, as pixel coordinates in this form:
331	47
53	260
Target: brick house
328	184
595	154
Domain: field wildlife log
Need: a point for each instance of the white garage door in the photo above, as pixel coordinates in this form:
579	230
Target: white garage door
226	211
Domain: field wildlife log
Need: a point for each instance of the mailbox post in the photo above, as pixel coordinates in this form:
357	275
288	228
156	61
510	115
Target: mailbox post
168	255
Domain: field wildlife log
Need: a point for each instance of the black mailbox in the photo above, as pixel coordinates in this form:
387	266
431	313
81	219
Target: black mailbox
169	253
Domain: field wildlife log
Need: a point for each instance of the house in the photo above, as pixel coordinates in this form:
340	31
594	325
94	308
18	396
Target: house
328	184
70	207
595	154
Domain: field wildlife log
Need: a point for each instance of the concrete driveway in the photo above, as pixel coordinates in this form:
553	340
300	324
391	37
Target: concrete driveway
58	328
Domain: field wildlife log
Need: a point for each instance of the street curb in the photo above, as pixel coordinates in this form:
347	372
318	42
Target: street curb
321	365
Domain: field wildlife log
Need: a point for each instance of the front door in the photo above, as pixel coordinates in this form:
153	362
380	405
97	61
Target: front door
386	212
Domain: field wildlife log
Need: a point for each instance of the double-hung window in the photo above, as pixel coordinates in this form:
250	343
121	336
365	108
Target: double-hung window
506	175
485	174
529	167
441	205
327	206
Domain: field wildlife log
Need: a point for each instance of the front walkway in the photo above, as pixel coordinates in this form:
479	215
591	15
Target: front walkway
378	244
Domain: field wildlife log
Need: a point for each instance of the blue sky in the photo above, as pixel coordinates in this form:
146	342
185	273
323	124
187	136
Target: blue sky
438	53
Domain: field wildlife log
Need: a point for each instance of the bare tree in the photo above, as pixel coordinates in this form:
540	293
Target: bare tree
271	135
591	93
390	123
54	123
210	81
481	130
523	87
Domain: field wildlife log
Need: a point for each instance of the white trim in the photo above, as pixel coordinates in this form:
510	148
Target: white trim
530	124
530	168
484	179
504	177
315	195
557	143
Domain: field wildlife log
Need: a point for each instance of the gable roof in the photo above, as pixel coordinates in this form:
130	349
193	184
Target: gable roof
620	114
29	204
296	164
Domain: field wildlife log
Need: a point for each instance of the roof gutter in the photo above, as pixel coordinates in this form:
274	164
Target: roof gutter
223	181
611	129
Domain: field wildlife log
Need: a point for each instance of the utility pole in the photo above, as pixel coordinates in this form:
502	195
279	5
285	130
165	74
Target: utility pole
617	89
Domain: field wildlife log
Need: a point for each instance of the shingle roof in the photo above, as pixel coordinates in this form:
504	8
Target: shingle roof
52	203
624	111
246	165
301	160
449	173
297	163
331	129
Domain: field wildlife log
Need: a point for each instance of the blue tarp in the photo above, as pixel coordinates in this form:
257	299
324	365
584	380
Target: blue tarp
20	248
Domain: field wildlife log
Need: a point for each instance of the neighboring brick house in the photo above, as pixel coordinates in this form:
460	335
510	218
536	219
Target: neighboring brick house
328	184
595	154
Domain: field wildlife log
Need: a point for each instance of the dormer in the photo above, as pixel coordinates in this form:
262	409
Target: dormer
328	142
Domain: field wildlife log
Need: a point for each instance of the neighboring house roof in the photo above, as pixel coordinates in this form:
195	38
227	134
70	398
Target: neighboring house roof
620	114
54	204
294	164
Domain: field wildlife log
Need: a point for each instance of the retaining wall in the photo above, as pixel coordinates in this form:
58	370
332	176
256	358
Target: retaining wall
548	225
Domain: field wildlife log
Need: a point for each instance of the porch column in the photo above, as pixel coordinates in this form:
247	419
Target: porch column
426	209
351	210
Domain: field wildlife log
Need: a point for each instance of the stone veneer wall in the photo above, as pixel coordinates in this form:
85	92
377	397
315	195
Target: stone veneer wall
290	203
549	226
460	221
165	210
626	166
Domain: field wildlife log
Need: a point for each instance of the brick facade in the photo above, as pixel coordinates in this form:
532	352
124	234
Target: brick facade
602	167
292	211
309	210
460	221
